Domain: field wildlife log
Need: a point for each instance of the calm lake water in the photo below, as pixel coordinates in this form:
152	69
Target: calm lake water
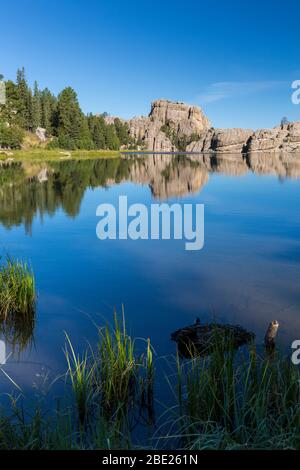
247	273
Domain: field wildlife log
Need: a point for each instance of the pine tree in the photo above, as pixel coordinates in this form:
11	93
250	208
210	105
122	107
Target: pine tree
111	138
24	100
29	110
122	131
9	112
69	117
85	140
36	107
48	105
97	128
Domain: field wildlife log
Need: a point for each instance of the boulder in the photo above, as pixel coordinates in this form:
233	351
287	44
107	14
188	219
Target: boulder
41	134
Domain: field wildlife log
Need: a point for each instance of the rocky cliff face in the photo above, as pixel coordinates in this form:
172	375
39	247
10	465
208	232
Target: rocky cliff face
184	120
279	139
167	124
222	141
178	126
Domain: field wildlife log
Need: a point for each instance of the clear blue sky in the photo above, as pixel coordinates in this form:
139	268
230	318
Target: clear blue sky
236	59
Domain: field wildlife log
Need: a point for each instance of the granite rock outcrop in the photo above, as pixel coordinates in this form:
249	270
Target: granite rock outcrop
174	126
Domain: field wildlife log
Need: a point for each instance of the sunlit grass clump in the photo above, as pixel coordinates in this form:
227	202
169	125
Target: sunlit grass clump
120	367
114	379
17	300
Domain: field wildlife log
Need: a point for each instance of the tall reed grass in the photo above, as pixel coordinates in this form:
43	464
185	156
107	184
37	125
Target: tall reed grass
113	381
17	302
238	400
227	400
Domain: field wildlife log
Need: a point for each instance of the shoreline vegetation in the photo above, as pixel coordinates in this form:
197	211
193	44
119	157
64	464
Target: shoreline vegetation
230	399
32	118
40	154
17	303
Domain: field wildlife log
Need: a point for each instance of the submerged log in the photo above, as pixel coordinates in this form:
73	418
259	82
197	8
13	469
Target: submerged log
201	340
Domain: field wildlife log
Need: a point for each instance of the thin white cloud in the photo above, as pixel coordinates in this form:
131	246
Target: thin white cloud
223	90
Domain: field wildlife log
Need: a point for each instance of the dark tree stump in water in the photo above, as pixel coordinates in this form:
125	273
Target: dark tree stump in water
270	336
201	340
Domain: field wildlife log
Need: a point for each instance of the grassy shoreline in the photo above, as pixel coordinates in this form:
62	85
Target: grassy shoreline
57	154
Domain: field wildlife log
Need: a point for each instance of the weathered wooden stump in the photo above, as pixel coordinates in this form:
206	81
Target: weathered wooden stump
270	336
201	340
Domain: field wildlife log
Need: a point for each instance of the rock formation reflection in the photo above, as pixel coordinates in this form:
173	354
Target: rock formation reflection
168	175
29	189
